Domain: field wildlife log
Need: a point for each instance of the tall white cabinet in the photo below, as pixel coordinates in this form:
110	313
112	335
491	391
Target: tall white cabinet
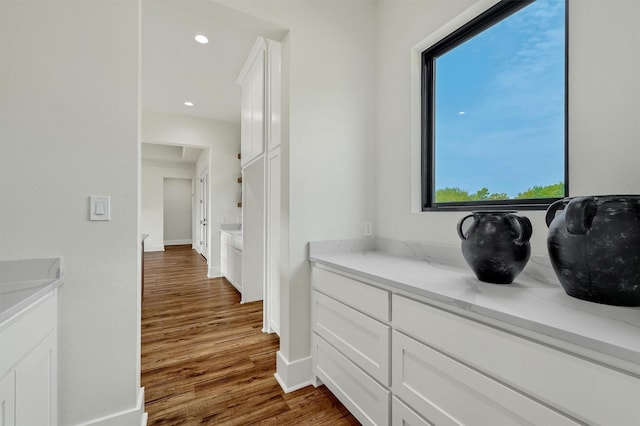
252	80
261	119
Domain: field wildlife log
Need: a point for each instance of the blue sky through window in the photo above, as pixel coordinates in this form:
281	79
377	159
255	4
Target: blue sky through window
499	98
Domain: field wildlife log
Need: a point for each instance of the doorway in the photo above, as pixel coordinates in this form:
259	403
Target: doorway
203	208
178	211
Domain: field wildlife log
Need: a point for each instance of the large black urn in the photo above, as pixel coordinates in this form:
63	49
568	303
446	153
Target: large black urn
594	247
496	244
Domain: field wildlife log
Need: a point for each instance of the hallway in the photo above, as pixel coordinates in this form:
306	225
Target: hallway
205	359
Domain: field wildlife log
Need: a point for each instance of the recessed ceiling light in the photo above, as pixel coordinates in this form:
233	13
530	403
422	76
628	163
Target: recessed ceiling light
188	103
201	38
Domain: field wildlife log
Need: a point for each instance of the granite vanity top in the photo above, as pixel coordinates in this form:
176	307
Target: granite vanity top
22	282
535	301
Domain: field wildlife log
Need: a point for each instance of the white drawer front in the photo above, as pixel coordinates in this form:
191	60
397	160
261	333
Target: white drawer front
449	393
27	332
235	241
364	397
363	297
401	415
361	338
585	390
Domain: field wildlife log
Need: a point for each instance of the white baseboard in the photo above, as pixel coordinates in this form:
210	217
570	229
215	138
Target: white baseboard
131	417
153	247
293	375
214	272
177	242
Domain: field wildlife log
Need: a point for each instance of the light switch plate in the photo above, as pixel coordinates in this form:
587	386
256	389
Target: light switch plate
99	207
368	228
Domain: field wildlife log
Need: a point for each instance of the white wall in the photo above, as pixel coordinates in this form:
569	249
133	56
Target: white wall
222	141
69	129
604	64
330	52
152	198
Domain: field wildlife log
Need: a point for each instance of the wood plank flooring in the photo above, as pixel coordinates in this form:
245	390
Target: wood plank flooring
205	359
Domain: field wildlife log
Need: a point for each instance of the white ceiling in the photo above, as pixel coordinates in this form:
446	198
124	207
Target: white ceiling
175	68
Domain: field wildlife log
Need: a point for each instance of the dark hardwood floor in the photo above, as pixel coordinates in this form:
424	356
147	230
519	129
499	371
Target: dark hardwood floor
205	359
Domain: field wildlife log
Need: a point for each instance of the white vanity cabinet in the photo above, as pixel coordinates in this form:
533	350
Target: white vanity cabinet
231	257
394	357
28	365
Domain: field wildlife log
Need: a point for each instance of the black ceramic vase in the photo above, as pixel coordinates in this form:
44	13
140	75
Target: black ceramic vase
496	245
594	247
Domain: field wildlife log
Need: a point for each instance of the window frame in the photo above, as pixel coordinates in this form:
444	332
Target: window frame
482	22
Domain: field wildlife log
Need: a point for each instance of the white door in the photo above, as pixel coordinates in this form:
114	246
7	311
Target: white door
204	208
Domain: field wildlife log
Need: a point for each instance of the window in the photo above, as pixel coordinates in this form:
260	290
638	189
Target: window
494	104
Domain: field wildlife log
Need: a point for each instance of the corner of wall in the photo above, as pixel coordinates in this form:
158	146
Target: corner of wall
214	272
135	416
293	375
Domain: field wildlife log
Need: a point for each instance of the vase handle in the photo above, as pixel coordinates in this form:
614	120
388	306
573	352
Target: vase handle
551	211
579	215
527	229
460	233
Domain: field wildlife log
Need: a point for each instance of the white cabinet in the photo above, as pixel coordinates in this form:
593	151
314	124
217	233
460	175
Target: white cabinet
8	400
28	365
231	258
274	96
235	268
581	389
260	115
35	386
449	393
366	399
261	129
360	337
405	416
396	359
252	125
253	232
351	347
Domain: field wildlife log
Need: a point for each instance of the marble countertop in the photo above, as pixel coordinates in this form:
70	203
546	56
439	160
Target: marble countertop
22	282
231	228
535	301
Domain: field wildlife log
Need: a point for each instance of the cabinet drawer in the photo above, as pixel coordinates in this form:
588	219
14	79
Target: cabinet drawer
364	397
363	297
585	390
8	400
449	393
362	339
26	332
235	241
401	415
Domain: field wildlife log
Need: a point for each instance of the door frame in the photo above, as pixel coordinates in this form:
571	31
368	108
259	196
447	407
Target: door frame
202	223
